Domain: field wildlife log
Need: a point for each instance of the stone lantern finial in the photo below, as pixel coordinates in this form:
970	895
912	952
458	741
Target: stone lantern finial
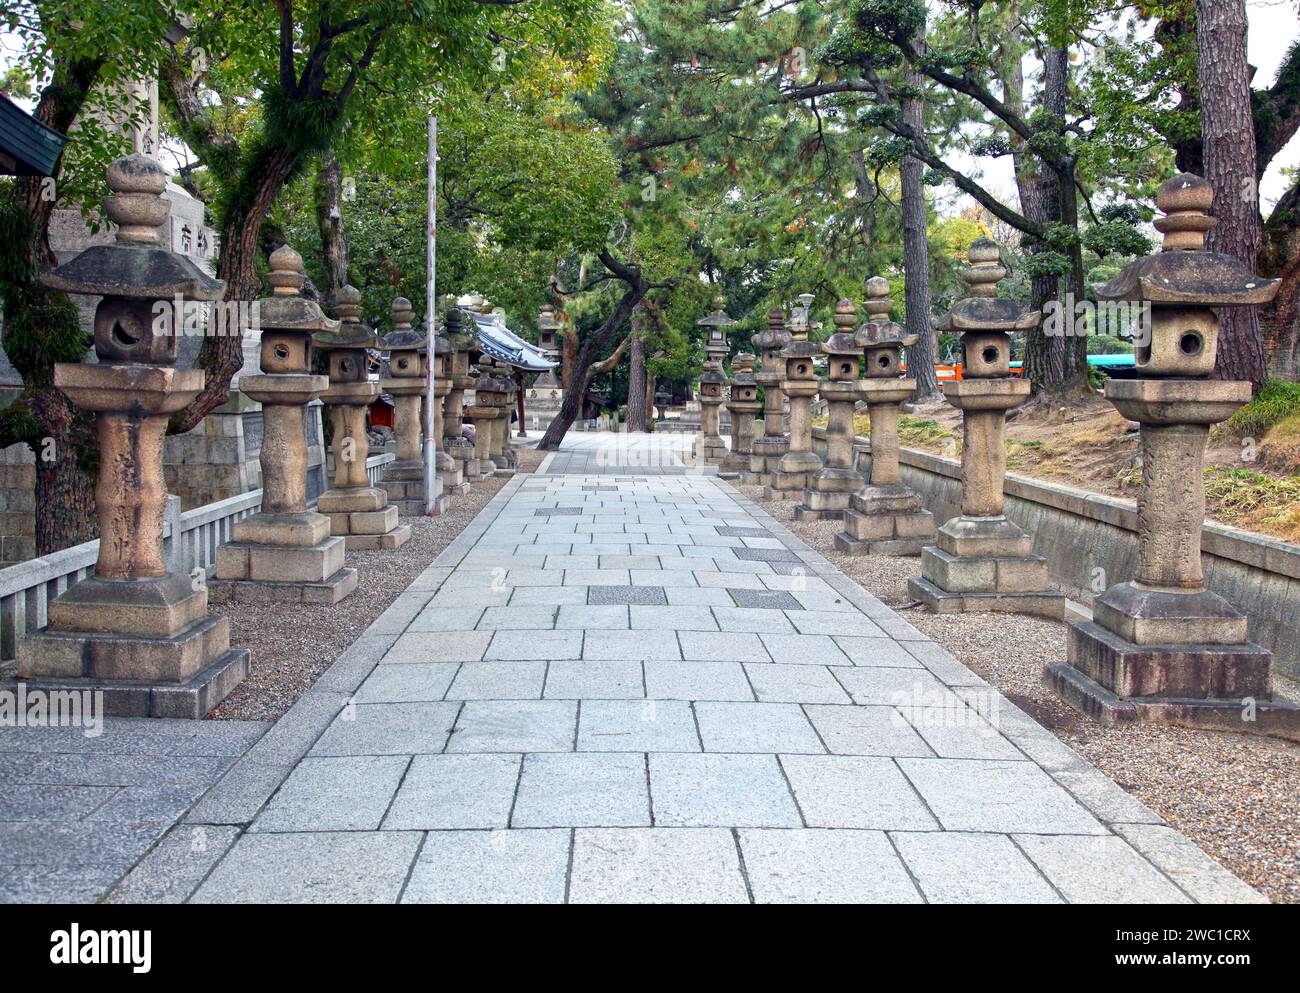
135	202
402	313
1185	200
877	304
348	305
985	269
846	315
287	274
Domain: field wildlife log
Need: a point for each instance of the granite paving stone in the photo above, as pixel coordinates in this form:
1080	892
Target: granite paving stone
756	727
515	726
704	790
777	683
850	791
582	789
696	680
388	729
637	726
818	866
319	867
346	793
442	792
490	867
957	867
649	865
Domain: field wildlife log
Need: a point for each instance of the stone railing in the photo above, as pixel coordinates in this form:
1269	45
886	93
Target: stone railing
190	541
1090	541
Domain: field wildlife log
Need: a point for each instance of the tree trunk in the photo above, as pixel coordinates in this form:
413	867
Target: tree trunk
636	377
570	408
329	218
1280	258
42	327
1228	130
1057	364
1176	32
916	256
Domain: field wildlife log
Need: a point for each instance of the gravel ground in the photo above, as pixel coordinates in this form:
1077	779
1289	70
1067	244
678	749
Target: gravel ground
1237	796
289	655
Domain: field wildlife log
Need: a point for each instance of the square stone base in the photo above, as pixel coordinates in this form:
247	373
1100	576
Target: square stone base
1048	603
1277	718
885	533
1227	673
753	478
785	486
280	563
819	505
193	699
396	538
329	591
984	573
158	607
59	654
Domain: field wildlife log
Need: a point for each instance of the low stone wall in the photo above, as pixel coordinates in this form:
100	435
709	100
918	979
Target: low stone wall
1090	542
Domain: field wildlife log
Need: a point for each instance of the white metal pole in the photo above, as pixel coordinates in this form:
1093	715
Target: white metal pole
431	324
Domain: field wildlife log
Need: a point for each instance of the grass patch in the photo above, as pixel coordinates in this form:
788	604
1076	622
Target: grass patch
1255	499
1275	402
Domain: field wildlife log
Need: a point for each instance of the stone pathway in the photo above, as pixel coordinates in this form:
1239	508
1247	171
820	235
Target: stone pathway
625	682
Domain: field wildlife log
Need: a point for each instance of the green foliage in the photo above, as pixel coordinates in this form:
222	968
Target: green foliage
1275	402
40	328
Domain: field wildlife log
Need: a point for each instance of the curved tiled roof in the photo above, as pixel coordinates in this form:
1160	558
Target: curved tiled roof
498	341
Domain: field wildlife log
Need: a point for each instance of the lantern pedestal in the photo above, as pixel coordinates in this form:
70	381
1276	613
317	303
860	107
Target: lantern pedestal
1163	647
134	632
793	469
983	561
403	480
357	511
286	552
885	517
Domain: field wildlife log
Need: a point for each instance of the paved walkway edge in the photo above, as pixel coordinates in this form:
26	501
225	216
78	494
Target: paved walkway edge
182	858
1179	858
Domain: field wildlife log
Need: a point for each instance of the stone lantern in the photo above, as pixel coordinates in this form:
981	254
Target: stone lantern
460	332
407	385
983	561
829	489
767	450
132	630
742	405
885	517
358	511
1162	647
484	413
503	449
285	552
711	449
795	469
448	469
